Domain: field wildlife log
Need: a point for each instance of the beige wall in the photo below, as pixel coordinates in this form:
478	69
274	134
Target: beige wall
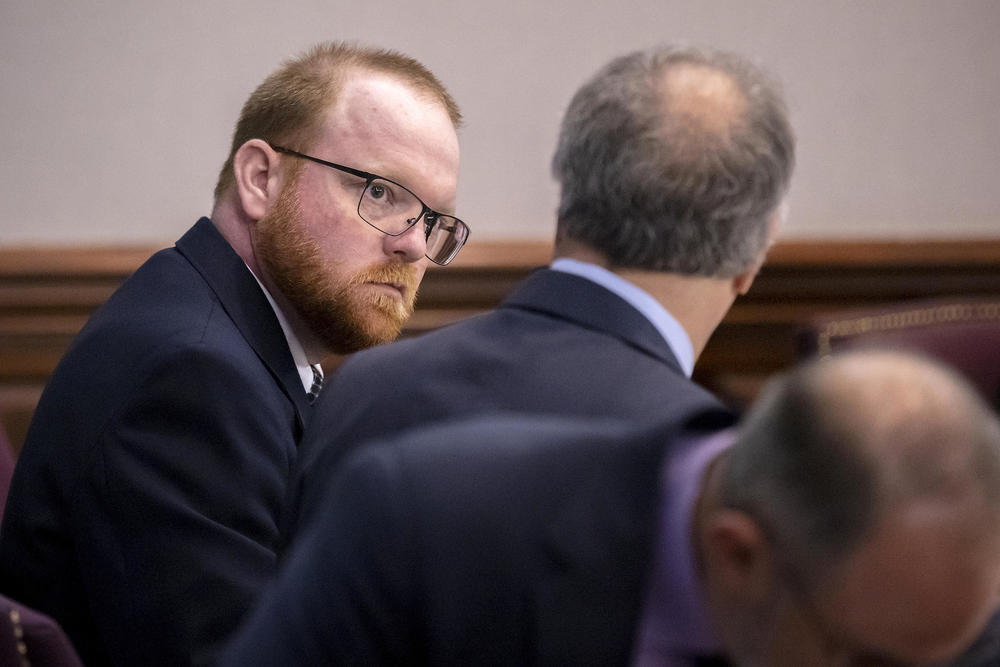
115	115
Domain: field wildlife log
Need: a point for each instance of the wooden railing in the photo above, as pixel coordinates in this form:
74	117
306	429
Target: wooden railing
47	293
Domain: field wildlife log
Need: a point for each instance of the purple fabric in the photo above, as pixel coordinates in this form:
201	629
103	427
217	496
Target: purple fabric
42	639
675	624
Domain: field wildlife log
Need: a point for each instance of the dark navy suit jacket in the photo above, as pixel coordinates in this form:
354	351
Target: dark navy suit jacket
143	511
500	540
559	344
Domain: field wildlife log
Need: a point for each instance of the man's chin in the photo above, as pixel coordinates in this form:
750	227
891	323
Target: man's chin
361	328
383	327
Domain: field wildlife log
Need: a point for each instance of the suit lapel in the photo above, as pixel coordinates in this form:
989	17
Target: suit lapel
587	304
247	306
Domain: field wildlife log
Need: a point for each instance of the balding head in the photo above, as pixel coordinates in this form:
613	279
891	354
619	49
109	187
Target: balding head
835	445
674	160
856	517
924	429
700	106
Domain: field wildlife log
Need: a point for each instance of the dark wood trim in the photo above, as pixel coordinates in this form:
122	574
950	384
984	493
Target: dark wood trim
885	253
48	292
109	260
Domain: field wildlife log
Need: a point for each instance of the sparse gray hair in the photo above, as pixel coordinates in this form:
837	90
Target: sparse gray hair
830	448
650	188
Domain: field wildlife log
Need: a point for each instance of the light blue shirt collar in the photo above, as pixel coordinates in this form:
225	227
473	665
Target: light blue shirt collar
659	317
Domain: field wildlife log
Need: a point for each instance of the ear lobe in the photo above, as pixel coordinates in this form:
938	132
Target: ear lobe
743	282
255	167
739	555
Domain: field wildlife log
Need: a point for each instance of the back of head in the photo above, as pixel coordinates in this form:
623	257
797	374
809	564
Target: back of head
836	446
674	160
288	107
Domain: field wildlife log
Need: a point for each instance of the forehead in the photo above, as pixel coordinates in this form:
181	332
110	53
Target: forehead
381	124
922	586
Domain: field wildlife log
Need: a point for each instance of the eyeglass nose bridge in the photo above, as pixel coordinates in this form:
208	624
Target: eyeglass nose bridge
429	226
384	228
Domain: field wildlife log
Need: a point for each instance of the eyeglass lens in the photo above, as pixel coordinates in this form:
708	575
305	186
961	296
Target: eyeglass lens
394	209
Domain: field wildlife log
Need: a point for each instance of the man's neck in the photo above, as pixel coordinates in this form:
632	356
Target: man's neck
698	303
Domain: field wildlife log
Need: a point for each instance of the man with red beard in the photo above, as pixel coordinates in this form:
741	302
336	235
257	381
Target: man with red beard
143	514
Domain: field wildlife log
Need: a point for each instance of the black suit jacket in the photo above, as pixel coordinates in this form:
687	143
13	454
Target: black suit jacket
559	344
508	540
143	511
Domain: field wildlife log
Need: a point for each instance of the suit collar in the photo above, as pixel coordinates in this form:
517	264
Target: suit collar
590	305
662	319
245	303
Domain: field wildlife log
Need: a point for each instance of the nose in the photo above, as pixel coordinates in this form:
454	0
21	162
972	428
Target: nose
410	246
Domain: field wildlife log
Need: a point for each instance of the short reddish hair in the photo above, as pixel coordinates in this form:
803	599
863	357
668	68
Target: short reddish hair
288	107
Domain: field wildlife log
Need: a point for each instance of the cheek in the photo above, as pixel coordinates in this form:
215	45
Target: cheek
341	242
325	214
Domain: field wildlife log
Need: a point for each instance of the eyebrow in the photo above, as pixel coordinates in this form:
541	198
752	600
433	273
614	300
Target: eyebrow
360	173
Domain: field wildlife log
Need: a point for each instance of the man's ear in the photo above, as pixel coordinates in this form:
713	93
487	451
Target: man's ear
743	282
738	556
258	181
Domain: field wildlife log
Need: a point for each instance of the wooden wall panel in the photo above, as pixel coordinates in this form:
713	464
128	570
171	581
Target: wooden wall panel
47	293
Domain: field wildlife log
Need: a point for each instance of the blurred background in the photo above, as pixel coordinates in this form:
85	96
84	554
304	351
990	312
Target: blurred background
117	114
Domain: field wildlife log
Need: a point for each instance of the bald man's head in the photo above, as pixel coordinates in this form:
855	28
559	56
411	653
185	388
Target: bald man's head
674	160
834	446
855	519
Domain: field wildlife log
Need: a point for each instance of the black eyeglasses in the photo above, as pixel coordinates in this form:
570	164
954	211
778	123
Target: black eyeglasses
392	209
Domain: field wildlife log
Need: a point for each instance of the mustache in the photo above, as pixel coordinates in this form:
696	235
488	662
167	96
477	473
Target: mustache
394	272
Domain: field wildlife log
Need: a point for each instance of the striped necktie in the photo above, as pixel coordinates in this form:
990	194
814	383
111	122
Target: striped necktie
316	385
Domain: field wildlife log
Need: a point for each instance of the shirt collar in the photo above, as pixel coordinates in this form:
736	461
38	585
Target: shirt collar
294	346
675	619
671	330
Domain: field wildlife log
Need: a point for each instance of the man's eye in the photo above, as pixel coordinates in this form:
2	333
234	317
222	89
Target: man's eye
376	191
